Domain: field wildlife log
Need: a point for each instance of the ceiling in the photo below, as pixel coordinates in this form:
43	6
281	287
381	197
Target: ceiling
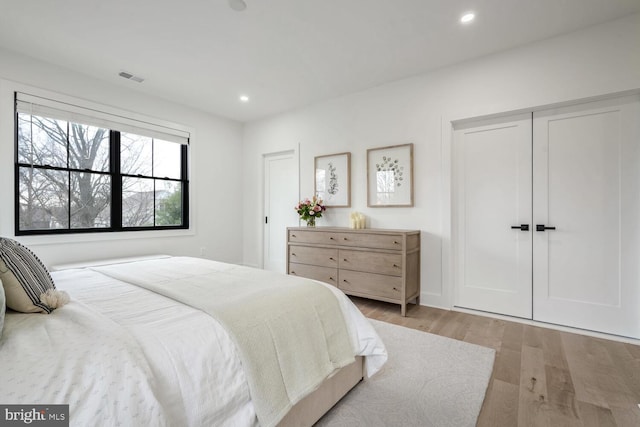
281	53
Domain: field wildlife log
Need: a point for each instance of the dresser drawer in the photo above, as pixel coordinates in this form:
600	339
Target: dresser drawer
323	274
370	284
373	262
313	237
368	240
324	257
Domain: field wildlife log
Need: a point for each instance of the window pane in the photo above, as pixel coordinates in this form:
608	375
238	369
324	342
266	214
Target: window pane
90	200
168	203
44	202
136	154
166	159
88	147
137	202
24	139
45	143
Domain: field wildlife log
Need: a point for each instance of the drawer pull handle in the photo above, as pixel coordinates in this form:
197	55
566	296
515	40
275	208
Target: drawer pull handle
331	278
396	265
345	260
331	258
293	254
345	238
345	280
396	242
396	289
331	238
293	235
293	272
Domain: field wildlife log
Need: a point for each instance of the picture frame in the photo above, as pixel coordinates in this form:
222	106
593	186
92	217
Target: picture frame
332	179
390	176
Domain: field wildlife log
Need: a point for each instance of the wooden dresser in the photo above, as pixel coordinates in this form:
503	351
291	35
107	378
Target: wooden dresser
371	263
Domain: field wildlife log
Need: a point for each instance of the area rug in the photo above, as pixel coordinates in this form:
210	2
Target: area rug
428	380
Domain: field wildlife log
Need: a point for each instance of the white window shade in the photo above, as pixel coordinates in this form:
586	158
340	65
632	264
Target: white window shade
44	107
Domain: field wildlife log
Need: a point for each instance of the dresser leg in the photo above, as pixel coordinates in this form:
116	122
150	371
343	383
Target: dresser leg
403	309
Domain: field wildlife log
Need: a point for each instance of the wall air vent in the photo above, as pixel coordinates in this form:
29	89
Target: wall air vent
130	76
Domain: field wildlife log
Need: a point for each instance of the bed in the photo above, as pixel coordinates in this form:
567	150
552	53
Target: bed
143	342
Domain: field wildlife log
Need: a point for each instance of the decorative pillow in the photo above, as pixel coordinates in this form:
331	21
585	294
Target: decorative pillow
28	287
3	308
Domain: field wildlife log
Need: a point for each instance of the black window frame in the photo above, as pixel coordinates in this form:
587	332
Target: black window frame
116	189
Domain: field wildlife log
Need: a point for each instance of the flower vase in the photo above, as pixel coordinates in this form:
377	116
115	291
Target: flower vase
311	222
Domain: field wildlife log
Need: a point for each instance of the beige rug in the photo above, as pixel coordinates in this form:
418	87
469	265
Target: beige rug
428	381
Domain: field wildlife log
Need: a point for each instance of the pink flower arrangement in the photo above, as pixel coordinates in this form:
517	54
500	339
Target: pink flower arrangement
309	210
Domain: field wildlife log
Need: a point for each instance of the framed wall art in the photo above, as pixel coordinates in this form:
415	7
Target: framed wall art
333	179
390	176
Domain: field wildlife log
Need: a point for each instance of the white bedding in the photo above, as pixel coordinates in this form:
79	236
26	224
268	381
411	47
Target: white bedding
118	353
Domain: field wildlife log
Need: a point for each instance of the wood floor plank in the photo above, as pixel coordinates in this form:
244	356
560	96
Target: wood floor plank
553	349
596	416
561	395
501	405
584	365
532	402
634	350
512	336
580	380
531	336
627	366
626	417
507	366
446	326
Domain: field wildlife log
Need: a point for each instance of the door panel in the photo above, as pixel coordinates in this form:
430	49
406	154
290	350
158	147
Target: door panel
493	193
586	184
280	197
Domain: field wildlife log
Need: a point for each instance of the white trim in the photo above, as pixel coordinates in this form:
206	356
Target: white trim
549	326
55	239
295	154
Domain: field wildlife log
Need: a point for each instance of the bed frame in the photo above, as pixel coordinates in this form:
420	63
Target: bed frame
310	409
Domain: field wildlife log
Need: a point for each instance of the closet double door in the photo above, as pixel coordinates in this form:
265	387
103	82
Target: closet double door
547	215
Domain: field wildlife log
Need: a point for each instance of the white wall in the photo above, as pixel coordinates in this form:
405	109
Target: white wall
216	170
593	62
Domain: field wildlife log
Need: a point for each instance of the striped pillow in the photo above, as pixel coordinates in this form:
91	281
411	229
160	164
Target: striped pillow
24	277
3	308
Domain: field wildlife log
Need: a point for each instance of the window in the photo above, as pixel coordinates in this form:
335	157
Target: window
151	181
82	173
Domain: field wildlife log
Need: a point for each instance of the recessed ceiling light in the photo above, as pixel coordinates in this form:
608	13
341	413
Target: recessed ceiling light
237	5
244	98
467	17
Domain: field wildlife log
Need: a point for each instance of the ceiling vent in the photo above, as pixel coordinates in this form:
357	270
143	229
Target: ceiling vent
130	76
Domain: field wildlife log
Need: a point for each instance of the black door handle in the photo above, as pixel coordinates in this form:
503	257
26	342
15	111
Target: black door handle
523	227
542	227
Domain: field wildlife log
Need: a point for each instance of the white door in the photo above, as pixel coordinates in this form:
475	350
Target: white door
492	188
587	185
280	197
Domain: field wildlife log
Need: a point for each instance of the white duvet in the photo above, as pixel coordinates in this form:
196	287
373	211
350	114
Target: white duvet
122	355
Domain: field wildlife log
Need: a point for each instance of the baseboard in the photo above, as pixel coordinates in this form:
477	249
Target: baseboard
569	329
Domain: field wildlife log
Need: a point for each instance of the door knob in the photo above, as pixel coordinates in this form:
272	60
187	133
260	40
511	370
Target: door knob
542	227
523	227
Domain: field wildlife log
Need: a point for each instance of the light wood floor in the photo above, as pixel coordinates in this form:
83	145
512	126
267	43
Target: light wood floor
541	377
